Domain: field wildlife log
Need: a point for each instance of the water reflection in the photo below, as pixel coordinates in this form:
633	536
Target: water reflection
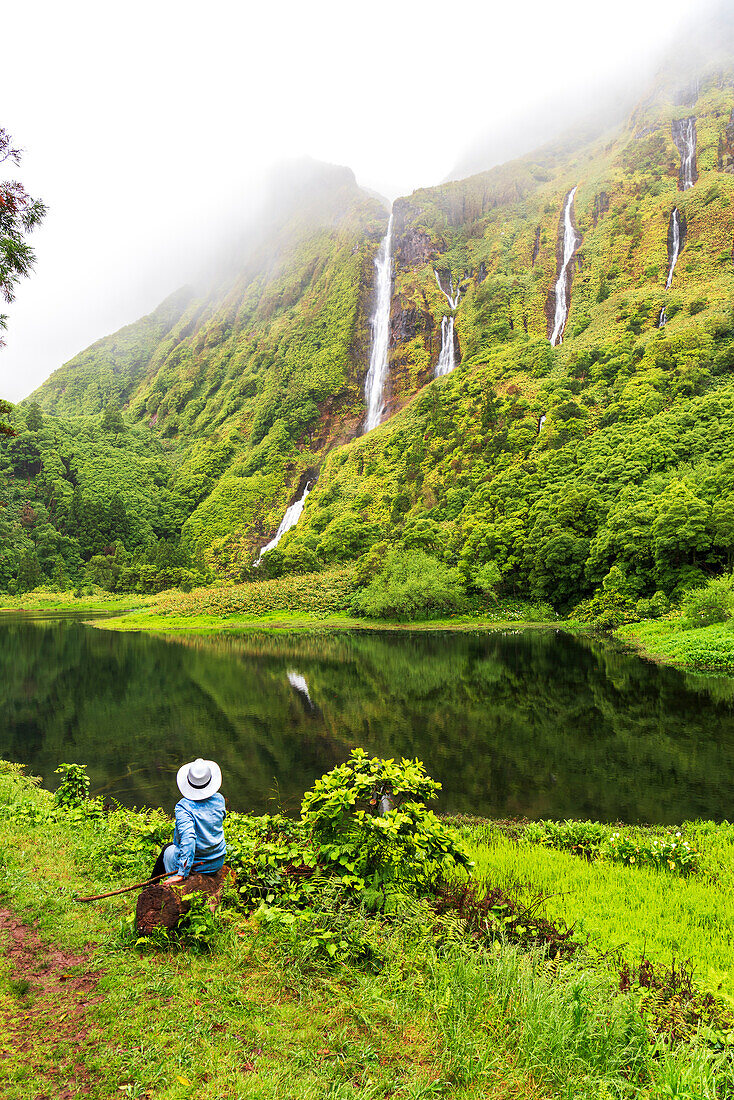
534	723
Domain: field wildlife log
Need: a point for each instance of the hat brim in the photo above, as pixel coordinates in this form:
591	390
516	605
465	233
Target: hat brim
198	794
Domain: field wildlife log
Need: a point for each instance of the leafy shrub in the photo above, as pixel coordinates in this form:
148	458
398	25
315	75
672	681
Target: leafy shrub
329	934
74	786
671	1004
133	841
411	585
198	926
712	603
405	847
654	607
491	914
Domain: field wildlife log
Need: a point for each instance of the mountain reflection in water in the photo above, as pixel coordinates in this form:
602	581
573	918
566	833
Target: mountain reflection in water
535	723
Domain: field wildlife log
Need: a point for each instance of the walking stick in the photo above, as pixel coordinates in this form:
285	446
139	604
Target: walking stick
126	889
135	886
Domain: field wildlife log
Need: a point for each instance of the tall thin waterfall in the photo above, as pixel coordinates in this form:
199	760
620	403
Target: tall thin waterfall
290	519
674	244
684	136
452	296
377	373
571	242
447	358
663	318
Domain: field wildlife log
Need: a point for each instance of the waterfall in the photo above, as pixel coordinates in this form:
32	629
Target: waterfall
674	244
684	136
541	422
377	373
663	318
290	519
447	358
453	297
571	242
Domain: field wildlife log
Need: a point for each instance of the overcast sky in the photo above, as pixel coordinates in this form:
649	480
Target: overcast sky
146	125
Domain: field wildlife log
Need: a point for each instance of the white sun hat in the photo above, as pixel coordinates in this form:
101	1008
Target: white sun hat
199	779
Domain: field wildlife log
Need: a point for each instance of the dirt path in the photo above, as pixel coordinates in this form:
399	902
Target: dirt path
45	1024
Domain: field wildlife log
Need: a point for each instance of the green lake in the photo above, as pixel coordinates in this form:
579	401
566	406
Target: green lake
535	723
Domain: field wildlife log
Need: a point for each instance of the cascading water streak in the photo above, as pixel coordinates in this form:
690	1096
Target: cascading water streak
571	242
663	318
447	358
674	245
377	373
290	519
452	296
684	136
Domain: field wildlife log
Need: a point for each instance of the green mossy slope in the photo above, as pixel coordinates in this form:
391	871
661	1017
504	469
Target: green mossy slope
594	471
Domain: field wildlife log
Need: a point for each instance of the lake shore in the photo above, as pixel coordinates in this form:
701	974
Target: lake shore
255	1008
203	624
701	649
216	611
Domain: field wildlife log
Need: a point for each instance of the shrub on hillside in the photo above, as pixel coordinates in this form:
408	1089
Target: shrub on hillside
712	603
653	608
411	585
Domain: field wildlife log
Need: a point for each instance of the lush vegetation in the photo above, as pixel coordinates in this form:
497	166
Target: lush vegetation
88	504
705	648
592	478
641	908
701	636
297	988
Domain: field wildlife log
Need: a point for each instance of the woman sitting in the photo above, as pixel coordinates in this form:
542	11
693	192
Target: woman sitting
198	839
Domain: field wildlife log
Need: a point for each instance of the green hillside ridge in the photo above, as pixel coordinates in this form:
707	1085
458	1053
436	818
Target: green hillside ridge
619	504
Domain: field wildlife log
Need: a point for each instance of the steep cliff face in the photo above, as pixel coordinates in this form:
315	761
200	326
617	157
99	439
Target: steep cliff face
575	471
267	368
262	380
500	233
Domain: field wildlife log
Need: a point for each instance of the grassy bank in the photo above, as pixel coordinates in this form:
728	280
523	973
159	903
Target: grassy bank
67	602
291	603
429	1006
707	648
150	621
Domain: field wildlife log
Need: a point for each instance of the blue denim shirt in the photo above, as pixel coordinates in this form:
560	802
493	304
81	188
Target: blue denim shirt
198	836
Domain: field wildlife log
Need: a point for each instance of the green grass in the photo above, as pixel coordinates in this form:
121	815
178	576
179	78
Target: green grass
634	910
257	1016
68	602
705	648
276	620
